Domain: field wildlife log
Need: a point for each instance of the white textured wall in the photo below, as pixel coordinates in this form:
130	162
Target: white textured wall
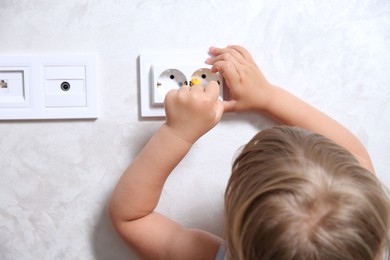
56	176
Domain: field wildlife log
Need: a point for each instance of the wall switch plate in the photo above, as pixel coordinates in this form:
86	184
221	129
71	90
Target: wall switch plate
161	72
47	87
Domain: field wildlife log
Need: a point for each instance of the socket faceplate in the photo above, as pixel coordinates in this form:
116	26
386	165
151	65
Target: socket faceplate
163	71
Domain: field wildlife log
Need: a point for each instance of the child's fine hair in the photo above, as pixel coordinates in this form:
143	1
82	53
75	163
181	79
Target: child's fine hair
294	194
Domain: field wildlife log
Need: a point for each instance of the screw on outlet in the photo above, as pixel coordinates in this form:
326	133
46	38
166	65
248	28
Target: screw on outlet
65	86
3	84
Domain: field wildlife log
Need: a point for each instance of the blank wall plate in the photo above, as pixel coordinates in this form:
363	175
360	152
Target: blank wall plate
162	71
47	87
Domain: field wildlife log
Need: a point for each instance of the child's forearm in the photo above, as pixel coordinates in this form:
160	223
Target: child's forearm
139	189
290	110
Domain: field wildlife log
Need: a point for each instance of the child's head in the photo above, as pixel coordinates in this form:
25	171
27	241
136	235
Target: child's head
297	195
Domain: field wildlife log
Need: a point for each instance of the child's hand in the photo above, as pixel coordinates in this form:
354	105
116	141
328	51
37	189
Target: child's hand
249	88
193	111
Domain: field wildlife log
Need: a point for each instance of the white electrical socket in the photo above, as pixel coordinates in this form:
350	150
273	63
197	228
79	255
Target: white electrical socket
161	72
47	87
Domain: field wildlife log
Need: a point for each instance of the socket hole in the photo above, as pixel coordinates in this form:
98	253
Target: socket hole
65	86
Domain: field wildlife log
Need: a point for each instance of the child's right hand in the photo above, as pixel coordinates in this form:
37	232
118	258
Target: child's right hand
249	89
193	111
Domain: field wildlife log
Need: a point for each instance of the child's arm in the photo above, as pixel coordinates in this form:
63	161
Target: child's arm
251	91
191	112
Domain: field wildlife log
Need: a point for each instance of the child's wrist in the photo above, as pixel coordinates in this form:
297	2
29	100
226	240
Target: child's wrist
176	135
266	97
277	101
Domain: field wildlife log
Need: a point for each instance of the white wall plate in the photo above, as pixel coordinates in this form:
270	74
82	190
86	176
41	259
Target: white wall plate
163	71
47	87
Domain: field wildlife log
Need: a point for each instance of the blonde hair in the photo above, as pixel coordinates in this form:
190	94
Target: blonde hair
298	195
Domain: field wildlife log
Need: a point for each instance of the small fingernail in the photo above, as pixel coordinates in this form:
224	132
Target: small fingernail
213	49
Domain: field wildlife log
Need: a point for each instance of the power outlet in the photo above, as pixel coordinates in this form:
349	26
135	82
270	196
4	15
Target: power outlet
161	72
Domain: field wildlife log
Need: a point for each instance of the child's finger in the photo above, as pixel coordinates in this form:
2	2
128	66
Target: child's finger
197	88
228	72
224	58
229	106
227	55
169	97
220	109
244	53
182	93
184	88
215	51
236	54
212	89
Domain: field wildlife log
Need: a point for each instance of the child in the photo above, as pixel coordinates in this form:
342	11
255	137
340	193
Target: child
294	193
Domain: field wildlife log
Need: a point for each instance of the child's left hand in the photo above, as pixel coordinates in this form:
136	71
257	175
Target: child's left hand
193	111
